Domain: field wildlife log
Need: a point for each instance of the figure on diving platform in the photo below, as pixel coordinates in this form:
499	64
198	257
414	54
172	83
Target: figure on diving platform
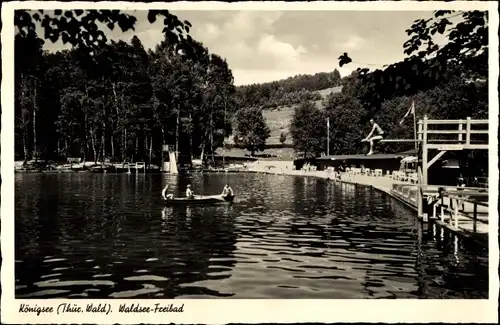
376	134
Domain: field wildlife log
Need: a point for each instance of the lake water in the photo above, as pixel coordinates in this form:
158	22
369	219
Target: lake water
110	236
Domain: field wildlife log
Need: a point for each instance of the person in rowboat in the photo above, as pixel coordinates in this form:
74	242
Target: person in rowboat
227	191
376	134
189	192
164	194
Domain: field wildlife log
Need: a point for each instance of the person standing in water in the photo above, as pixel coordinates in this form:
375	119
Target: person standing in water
227	191
189	192
376	134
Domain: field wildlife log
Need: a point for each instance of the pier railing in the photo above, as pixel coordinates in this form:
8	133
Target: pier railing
453	209
446	204
454	134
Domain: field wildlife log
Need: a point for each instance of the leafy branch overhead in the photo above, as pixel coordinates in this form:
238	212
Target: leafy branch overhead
427	64
83	28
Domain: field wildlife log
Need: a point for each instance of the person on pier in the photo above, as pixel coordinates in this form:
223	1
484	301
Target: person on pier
164	194
189	192
376	134
227	191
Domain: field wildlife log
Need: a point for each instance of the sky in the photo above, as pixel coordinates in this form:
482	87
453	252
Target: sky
262	46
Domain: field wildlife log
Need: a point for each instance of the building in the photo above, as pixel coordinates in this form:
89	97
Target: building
385	161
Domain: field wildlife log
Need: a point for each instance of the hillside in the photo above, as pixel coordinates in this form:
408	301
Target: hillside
292	90
278	119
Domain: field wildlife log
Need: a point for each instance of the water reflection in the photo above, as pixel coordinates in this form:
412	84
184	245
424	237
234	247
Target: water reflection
105	235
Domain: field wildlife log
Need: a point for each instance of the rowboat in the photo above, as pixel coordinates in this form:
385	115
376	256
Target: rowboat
201	199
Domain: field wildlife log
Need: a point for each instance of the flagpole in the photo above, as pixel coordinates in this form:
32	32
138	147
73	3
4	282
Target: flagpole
327	136
415	125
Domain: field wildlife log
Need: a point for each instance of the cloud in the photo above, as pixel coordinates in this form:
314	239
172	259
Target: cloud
347	43
354	42
211	31
266	45
281	54
248	41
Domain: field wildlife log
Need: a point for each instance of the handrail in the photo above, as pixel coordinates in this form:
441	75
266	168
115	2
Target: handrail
464	121
464	199
457	132
446	132
446	188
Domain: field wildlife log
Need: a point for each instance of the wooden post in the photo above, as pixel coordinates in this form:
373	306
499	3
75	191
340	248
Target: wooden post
455	248
467	130
424	151
474	224
419	135
460	128
420	203
455	216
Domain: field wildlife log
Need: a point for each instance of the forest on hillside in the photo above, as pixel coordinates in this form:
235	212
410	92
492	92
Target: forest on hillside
115	100
289	91
444	82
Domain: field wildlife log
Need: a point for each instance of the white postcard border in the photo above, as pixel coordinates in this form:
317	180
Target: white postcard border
243	310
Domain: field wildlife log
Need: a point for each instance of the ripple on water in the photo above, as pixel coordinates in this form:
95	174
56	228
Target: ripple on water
53	260
57	283
146	290
44	293
146	278
307	238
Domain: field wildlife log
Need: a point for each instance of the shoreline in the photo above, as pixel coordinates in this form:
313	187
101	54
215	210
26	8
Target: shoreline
385	186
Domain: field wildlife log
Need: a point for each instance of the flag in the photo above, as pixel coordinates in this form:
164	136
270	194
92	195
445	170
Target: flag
410	111
328	123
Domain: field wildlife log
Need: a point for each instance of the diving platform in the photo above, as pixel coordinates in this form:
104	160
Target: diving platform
463	210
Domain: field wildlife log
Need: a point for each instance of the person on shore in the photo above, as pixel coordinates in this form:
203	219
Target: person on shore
227	191
189	192
376	134
164	194
431	200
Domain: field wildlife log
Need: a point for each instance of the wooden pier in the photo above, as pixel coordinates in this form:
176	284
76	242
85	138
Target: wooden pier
462	210
446	135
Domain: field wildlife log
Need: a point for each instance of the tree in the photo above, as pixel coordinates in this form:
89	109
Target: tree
251	129
346	118
283	138
87	96
308	129
115	100
465	53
